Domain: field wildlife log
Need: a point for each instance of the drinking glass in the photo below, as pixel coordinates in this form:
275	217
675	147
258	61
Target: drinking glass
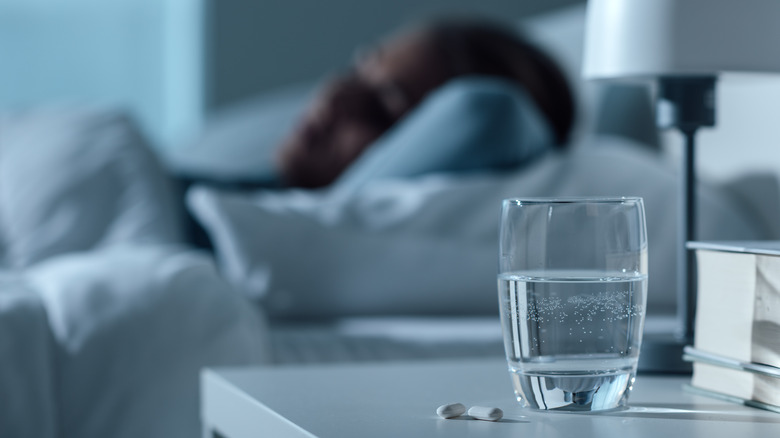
572	289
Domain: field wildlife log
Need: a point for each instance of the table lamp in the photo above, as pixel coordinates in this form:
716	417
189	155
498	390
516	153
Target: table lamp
683	46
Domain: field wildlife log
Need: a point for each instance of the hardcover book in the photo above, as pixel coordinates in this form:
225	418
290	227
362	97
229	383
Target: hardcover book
737	331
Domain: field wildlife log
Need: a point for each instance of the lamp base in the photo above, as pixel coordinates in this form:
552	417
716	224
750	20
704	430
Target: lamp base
663	353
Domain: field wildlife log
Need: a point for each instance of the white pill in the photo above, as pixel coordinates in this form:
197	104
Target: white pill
451	410
486	413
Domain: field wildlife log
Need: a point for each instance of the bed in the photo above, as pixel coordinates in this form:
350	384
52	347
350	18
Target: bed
108	311
106	315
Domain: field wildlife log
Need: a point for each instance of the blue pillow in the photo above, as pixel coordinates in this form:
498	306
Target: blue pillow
473	123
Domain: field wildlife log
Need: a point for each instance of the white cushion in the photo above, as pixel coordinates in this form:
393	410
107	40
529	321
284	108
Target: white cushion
429	245
73	178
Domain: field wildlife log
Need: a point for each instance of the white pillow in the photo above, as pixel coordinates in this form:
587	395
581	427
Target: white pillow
73	178
429	245
307	263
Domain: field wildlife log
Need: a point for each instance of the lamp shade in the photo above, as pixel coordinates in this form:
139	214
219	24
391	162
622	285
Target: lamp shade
651	38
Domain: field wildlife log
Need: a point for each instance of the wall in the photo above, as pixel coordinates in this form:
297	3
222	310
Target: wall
255	46
747	135
144	55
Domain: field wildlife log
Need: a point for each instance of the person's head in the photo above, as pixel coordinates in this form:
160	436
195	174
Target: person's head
356	108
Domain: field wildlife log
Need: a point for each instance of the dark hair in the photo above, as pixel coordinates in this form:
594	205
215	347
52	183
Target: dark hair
482	47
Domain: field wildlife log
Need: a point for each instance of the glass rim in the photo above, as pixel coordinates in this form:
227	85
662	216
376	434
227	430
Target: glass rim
520	201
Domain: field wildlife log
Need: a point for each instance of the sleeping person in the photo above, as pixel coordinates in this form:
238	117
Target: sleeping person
445	96
511	100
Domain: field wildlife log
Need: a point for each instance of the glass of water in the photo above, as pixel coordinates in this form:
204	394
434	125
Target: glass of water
572	288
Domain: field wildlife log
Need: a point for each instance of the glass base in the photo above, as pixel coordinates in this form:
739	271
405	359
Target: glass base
574	391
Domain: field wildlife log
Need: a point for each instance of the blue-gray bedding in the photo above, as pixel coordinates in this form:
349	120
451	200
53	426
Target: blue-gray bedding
470	124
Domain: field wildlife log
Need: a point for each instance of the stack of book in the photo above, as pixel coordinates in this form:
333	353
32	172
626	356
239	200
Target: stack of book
736	351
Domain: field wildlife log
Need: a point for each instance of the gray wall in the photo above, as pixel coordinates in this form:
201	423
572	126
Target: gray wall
142	55
259	45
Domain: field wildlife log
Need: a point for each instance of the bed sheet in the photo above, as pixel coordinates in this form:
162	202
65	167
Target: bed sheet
111	342
27	406
383	338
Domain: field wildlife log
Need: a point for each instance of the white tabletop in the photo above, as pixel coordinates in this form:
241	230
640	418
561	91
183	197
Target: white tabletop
400	400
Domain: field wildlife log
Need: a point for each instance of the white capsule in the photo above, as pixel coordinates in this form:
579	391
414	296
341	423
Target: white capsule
451	410
486	413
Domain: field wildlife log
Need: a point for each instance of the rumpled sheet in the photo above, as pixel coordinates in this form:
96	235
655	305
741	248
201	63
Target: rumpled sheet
111	342
27	404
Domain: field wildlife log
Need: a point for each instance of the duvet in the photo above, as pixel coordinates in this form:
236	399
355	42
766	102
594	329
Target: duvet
110	342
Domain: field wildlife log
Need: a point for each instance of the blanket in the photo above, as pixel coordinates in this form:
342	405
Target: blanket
111	342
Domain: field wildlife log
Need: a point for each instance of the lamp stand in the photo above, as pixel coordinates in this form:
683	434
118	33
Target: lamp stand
685	103
686	226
